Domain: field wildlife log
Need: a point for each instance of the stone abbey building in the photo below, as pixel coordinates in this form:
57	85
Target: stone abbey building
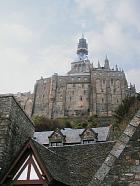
84	90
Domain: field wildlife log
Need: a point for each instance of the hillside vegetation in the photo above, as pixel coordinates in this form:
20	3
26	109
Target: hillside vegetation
42	123
125	112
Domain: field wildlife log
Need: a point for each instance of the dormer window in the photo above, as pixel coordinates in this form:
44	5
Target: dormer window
56	138
88	136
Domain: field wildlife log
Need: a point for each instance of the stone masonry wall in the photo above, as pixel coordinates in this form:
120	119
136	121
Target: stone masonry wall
109	88
15	129
97	92
26	101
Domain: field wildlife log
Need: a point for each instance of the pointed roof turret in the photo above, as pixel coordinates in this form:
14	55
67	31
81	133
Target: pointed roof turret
106	65
116	68
82	50
99	66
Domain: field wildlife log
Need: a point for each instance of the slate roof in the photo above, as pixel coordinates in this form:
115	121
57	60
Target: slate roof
89	165
119	147
74	165
55	163
72	135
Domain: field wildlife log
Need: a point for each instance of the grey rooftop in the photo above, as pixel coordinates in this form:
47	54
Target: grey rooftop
72	135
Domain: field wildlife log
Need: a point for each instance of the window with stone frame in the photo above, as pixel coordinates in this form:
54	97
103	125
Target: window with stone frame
81	98
103	81
112	82
56	144
88	141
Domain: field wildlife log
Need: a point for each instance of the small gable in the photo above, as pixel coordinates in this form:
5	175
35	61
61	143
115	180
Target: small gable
88	136
27	169
29	172
56	138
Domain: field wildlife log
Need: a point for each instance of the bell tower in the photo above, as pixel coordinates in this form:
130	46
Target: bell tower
82	50
82	63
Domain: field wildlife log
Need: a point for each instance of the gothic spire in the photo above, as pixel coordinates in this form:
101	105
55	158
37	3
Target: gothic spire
99	66
106	65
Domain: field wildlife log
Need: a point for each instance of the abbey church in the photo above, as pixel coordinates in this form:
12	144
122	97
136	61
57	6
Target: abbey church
85	90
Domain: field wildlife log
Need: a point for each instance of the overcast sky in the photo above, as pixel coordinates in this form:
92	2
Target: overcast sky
39	38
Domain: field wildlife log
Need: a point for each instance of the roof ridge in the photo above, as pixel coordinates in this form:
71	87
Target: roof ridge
48	149
14	98
116	151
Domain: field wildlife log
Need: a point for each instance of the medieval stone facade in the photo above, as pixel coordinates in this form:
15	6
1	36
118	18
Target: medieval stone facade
84	90
26	101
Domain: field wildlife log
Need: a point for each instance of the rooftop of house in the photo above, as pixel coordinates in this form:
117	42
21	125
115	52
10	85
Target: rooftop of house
70	165
72	136
85	164
74	165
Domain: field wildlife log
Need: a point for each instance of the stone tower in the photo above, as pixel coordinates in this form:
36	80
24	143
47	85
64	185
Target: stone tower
82	50
84	90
